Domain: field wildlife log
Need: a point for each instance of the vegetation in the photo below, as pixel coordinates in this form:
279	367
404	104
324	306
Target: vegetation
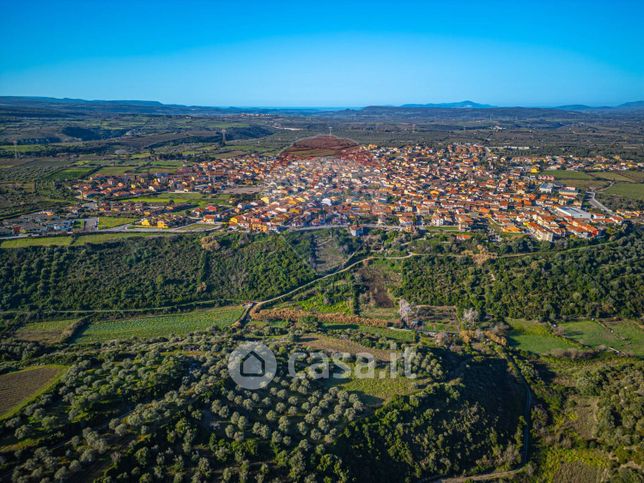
162	271
46	332
112	221
593	281
19	388
535	337
161	325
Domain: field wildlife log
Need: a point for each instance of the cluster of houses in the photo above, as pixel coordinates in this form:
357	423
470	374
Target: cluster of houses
465	186
413	187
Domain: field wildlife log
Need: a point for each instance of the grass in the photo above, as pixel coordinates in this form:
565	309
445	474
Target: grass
160	325
199	199
400	335
47	241
51	241
18	389
47	332
565	174
334	344
611	175
574	465
532	336
115	170
387	313
377	390
316	304
112	221
69	174
624	336
633	191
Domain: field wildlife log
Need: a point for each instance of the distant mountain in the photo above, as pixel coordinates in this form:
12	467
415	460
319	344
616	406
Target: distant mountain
631	105
451	105
583	107
578	107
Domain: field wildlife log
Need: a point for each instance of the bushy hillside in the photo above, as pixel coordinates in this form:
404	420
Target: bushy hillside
148	272
595	281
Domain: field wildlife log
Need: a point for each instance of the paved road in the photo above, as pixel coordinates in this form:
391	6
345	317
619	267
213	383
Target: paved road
593	202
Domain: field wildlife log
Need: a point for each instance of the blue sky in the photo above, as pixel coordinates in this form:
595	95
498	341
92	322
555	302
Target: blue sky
279	53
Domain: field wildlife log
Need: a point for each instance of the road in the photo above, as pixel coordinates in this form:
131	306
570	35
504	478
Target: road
596	204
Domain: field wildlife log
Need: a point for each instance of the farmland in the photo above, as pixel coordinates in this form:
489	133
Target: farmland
112	221
47	332
188	198
20	387
380	389
623	335
67	240
633	191
161	325
567	174
69	174
532	336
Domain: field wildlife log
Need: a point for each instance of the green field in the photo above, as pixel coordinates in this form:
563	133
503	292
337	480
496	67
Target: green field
160	325
115	170
379	389
46	241
19	388
51	241
112	221
400	335
189	198
612	176
316	304
634	191
533	336
624	336
564	174
47	332
69	174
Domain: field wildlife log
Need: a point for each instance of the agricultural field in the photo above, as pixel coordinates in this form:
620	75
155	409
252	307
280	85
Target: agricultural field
67	240
46	241
611	176
633	191
70	174
335	344
437	318
316	304
624	336
188	198
400	335
115	170
113	221
20	387
562	174
535	337
576	465
46	332
160	325
378	390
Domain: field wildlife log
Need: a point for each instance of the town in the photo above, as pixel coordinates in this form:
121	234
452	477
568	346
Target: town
462	187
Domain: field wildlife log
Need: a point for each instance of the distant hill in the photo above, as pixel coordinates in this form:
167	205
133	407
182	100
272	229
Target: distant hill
17	106
583	107
632	105
451	105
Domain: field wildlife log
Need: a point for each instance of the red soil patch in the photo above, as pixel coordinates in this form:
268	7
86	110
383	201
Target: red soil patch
325	146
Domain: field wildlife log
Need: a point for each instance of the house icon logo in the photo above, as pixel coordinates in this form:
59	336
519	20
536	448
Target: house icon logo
252	365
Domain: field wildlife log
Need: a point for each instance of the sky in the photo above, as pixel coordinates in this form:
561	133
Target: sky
325	53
